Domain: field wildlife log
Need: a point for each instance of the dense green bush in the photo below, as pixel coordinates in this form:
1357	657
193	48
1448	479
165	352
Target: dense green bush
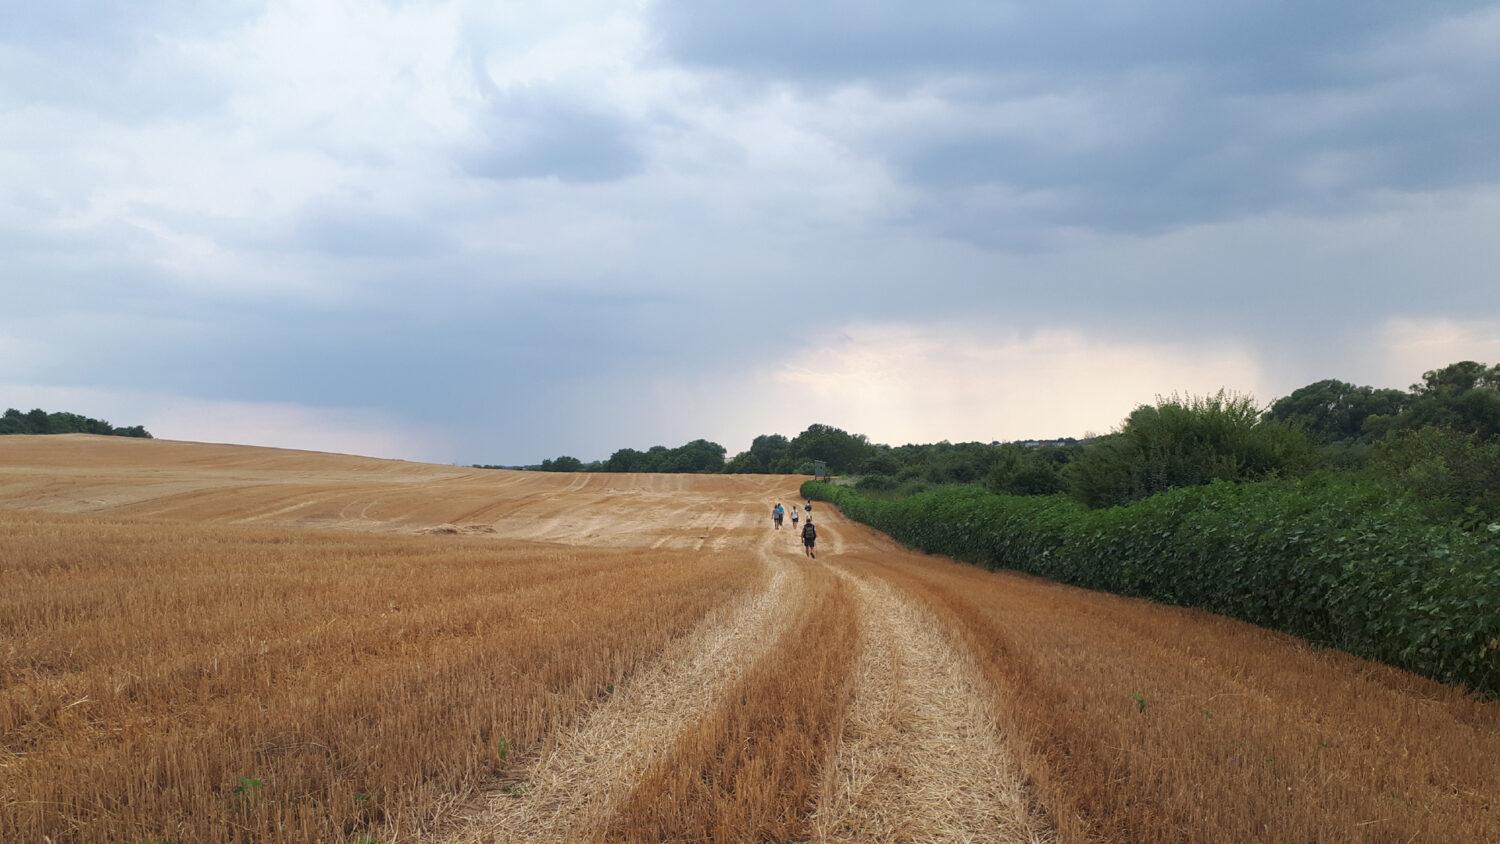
881	463
913	486
1336	560
1029	471
875	483
1187	442
1452	476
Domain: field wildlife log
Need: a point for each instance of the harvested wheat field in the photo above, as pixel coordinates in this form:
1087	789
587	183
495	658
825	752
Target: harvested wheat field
225	643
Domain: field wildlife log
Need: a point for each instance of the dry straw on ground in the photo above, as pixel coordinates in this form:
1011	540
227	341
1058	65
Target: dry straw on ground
222	684
569	791
218	643
921	756
750	771
1139	722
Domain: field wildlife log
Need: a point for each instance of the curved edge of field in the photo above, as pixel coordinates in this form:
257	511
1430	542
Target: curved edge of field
569	791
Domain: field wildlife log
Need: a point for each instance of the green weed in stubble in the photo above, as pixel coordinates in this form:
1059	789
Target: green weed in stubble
242	796
247	787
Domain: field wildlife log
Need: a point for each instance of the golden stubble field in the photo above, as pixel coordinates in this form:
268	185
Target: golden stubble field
223	643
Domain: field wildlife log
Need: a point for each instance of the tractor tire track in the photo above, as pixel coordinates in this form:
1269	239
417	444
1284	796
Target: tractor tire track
570	790
921	758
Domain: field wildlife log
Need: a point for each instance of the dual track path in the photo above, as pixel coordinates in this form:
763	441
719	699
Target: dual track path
918	756
570	791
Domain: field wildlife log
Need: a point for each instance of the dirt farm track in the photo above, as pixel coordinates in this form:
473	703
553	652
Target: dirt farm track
226	643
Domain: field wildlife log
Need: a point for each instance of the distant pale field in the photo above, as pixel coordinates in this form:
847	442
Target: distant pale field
224	643
230	484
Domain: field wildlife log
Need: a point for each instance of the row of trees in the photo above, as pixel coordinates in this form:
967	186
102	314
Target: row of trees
1463	396
837	450
1440	435
39	421
840	451
698	456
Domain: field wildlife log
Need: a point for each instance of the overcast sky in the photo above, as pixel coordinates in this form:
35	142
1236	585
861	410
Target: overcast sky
493	232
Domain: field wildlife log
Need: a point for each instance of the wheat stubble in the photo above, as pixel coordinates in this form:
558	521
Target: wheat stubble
921	757
569	791
750	771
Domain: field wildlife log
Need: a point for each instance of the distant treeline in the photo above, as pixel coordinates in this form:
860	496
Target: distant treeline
834	450
1176	442
696	456
39	421
1441	436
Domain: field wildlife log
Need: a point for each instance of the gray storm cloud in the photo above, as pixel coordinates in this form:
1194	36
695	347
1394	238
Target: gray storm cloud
489	234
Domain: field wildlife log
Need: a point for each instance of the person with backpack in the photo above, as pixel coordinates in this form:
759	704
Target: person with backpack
809	539
776	513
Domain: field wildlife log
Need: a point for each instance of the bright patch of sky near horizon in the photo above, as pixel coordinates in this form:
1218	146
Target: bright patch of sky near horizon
480	233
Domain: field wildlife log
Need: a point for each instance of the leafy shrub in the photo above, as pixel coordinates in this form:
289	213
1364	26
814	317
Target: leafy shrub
912	487
1019	471
1187	442
875	483
1451	475
882	463
1337	560
909	473
1345	455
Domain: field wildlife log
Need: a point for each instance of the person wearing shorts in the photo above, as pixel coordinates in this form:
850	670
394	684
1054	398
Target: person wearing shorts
794	518
776	513
809	539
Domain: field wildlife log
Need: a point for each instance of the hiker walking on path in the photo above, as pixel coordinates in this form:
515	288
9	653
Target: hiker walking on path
776	513
809	538
794	518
